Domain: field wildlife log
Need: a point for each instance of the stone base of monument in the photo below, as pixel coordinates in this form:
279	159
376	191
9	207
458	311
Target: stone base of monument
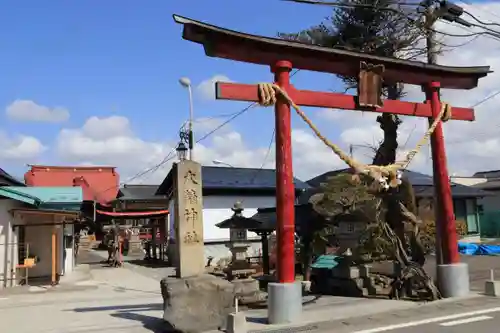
247	291
197	304
351	281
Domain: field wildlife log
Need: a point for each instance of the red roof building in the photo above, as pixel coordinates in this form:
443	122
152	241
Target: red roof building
98	183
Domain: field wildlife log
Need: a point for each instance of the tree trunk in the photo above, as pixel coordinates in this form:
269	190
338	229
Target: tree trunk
386	154
389	123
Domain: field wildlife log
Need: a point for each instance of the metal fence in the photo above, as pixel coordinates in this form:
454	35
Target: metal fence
490	224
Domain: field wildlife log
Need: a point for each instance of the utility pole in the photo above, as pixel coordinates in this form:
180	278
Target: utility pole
450	12
431	45
447	11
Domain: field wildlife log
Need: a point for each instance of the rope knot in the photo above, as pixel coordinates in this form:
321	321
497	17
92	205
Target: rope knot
267	94
446	112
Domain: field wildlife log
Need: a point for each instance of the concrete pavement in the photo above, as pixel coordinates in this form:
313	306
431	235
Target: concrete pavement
481	321
109	310
128	300
121	301
477	314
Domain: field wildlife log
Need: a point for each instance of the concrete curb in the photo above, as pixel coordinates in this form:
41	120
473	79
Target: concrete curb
492	287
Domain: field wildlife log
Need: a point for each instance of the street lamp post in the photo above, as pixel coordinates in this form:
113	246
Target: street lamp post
186	83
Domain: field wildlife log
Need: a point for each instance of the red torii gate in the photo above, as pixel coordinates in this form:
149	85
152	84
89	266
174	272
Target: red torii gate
282	56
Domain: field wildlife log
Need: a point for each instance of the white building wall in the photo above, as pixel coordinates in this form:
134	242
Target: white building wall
215	210
218	208
69	262
8	244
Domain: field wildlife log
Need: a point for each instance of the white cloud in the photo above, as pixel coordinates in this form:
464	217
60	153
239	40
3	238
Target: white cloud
20	148
27	110
111	141
206	89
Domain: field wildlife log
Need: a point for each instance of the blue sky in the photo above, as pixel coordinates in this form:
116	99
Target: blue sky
102	58
124	57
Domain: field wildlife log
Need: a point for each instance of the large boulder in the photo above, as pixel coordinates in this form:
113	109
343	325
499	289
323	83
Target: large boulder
197	304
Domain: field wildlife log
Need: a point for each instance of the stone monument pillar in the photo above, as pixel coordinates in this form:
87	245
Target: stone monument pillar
188	219
194	301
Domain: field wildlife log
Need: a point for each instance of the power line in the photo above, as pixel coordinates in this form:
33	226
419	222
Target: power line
346	4
169	157
451	12
234	116
487	98
489	32
482	10
265	157
223	115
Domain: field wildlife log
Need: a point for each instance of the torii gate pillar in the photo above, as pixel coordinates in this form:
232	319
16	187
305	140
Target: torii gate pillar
284	296
452	275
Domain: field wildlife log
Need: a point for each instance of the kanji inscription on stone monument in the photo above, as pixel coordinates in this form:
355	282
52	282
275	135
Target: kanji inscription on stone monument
189	218
191	196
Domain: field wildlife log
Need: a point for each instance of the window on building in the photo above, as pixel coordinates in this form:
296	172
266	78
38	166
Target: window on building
466	210
460	210
472	219
21	241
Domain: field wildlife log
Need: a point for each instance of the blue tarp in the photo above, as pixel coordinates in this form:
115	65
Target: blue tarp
326	261
478	249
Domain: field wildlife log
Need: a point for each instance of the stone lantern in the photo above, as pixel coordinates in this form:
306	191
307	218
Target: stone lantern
238	242
349	230
238	245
